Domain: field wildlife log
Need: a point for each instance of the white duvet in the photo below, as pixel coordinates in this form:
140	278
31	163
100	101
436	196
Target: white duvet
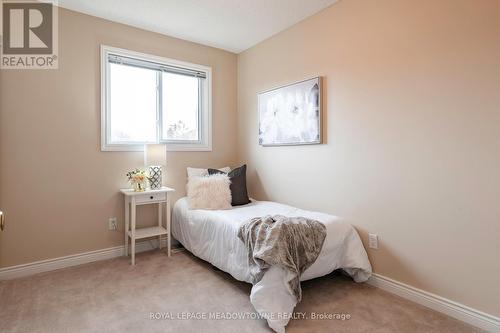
212	236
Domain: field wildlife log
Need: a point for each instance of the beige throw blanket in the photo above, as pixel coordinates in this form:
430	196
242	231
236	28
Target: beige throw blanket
292	243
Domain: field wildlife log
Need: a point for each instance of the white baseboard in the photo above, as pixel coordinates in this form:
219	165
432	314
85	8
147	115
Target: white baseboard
453	309
13	272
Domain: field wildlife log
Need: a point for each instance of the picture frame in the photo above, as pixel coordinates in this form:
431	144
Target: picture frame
291	114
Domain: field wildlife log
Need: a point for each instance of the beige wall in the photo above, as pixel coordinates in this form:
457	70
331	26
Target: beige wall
57	188
412	123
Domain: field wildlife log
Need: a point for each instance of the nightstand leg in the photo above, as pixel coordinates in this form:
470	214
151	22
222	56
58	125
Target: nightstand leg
133	251
159	222
168	224
127	223
132	230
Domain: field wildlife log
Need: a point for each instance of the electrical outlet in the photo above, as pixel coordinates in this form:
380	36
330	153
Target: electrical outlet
373	241
112	225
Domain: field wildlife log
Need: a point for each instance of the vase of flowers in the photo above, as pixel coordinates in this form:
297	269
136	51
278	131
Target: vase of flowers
137	179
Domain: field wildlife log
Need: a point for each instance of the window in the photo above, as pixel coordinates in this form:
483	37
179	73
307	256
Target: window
148	99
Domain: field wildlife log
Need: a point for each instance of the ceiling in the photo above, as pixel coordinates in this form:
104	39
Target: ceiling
233	25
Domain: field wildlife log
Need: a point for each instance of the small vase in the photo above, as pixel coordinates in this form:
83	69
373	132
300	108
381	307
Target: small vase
139	186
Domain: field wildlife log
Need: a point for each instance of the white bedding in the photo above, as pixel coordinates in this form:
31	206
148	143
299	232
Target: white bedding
212	236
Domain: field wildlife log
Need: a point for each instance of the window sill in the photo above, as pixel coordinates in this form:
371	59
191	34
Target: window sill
170	147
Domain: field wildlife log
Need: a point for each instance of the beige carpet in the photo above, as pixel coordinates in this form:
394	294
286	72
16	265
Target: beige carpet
112	296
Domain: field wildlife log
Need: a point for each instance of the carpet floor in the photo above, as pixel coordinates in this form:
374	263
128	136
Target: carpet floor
112	296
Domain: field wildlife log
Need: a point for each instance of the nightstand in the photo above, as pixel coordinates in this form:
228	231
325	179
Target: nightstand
160	197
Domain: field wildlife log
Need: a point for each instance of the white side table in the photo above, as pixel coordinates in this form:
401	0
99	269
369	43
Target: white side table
161	197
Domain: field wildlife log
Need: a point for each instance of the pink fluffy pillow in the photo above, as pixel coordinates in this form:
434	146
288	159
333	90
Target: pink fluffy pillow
209	192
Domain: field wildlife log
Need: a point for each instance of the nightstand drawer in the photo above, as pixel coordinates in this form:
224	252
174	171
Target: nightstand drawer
150	197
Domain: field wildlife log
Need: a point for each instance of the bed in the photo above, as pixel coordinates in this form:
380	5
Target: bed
212	236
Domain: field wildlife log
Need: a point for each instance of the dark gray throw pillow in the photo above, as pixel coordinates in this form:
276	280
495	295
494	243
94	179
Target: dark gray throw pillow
238	185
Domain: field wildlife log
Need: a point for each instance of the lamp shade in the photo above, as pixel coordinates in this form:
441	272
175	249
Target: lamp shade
155	154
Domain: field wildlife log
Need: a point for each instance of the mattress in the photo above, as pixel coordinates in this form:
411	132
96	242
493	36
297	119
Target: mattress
212	236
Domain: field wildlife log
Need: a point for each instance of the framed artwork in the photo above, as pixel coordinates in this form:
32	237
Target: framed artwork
291	115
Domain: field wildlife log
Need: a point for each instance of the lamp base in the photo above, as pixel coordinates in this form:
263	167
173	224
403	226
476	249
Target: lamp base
155	174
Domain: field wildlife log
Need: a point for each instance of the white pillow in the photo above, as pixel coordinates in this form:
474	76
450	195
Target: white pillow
209	192
196	172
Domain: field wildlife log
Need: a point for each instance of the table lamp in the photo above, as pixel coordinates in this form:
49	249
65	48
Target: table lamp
155	157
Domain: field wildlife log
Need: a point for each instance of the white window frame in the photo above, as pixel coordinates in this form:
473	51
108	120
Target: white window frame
204	119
